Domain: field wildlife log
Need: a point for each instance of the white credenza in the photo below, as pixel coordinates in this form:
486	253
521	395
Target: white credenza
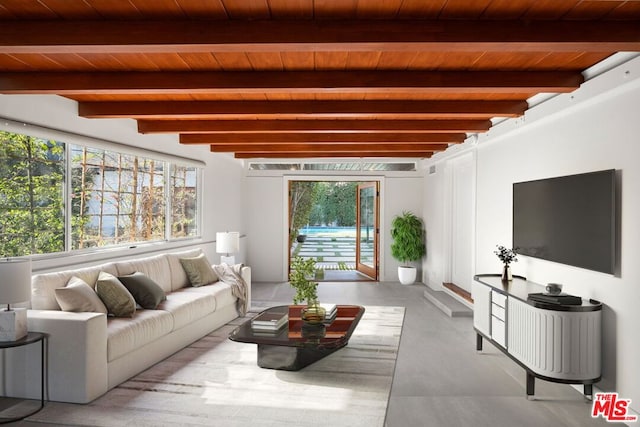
560	343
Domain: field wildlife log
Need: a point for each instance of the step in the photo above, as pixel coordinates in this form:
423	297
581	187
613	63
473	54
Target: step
448	304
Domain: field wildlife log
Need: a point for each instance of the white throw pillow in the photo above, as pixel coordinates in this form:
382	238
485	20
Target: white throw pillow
78	296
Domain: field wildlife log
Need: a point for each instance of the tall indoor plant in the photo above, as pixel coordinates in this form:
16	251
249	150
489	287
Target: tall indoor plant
408	244
301	279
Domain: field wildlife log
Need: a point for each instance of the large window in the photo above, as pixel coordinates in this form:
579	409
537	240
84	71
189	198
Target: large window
114	198
183	187
31	195
117	198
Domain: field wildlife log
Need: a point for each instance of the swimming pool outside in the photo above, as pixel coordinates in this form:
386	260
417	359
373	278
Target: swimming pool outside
329	231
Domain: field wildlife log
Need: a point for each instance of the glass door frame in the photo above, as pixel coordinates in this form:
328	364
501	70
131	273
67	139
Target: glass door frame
286	179
369	269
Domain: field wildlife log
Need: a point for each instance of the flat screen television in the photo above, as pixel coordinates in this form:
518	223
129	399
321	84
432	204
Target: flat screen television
568	219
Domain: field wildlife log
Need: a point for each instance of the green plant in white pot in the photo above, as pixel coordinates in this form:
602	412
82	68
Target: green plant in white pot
408	245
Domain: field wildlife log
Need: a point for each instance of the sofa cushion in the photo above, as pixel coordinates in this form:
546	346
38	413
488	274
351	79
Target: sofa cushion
126	335
115	296
187	307
199	270
155	267
79	297
147	293
179	278
43	286
220	291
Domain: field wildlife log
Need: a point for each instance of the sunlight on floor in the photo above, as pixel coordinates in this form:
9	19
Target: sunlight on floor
269	389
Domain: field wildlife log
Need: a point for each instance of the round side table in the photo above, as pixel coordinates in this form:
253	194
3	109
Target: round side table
30	338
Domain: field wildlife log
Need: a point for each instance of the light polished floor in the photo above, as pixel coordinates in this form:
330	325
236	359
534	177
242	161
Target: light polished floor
440	379
344	276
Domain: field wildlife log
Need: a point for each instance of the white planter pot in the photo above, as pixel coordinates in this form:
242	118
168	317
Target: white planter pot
407	275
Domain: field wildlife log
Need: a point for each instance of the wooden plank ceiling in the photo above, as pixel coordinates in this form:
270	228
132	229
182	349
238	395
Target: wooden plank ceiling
309	78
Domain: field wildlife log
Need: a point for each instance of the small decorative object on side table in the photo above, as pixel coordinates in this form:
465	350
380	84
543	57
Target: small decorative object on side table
554	288
507	256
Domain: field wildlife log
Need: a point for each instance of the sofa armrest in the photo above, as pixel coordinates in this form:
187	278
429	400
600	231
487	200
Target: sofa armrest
245	272
77	353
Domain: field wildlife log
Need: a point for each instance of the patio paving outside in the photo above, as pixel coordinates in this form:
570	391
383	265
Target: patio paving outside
333	249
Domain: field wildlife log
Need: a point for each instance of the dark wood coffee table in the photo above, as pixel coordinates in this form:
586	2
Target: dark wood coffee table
299	345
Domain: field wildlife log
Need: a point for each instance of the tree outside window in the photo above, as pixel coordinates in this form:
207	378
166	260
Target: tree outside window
115	198
31	202
183	187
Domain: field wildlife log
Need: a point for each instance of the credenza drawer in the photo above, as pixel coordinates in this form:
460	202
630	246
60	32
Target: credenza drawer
499	299
498	331
498	312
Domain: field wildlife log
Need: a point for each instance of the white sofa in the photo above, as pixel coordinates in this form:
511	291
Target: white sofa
90	353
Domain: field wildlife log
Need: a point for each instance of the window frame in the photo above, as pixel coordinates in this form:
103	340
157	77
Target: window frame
168	160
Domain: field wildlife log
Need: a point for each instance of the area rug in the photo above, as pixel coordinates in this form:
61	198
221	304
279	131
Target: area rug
216	382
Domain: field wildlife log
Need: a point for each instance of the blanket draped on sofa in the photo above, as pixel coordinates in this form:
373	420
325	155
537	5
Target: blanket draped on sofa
230	274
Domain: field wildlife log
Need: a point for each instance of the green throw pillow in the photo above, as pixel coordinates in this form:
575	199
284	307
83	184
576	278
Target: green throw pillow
147	293
115	296
199	270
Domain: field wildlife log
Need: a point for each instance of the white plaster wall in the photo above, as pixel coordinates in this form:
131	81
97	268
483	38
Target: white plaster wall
222	176
265	216
594	128
436	260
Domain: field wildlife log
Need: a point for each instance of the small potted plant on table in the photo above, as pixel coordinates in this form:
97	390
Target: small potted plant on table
301	279
507	256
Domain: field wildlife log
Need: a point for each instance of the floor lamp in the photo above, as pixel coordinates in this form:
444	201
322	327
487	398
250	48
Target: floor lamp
227	242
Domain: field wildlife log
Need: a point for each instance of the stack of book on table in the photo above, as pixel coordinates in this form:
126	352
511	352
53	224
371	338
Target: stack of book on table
269	322
560	299
331	312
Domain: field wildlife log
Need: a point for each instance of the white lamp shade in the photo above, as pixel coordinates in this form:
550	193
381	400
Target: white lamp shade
15	281
227	242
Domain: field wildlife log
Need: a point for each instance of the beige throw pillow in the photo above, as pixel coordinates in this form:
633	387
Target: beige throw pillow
199	270
115	296
79	297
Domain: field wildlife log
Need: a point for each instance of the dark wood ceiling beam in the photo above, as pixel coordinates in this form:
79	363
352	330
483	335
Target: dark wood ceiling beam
338	138
333	155
300	109
205	82
311	148
75	36
311	126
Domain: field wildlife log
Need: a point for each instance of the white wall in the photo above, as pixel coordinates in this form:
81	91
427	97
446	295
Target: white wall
436	224
266	220
265	217
594	128
223	175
